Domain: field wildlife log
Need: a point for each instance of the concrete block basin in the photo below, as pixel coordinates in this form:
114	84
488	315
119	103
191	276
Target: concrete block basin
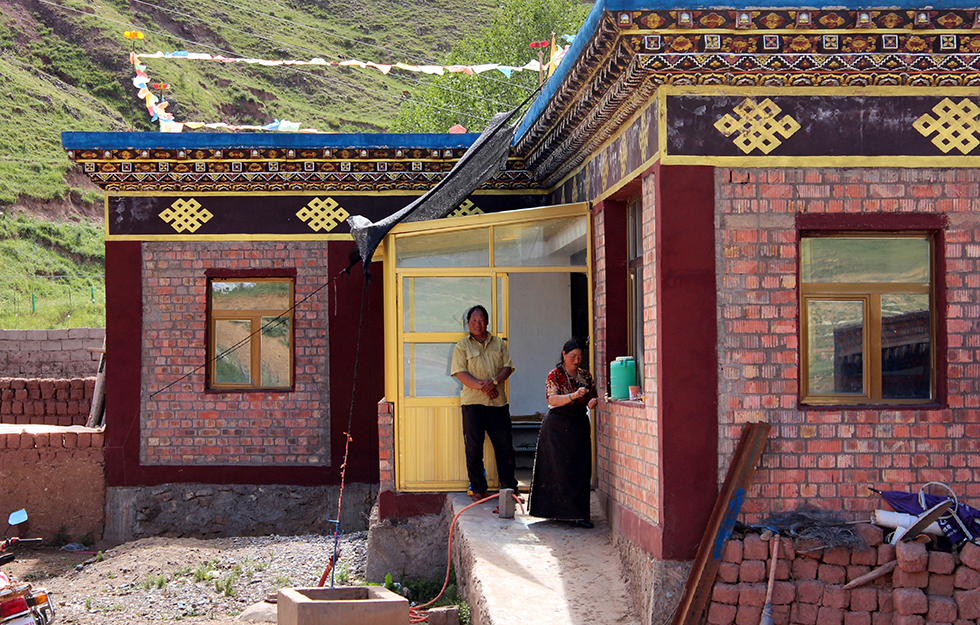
347	605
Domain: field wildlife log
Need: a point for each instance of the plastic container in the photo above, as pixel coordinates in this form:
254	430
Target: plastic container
622	375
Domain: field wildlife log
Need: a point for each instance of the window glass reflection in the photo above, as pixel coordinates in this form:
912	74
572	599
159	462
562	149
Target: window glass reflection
864	259
835	334
427	368
553	243
906	355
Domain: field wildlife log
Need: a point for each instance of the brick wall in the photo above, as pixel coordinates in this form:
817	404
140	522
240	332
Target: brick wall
832	456
627	459
50	353
925	587
185	423
45	401
386	445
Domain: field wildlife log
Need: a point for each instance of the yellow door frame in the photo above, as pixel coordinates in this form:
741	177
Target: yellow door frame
394	332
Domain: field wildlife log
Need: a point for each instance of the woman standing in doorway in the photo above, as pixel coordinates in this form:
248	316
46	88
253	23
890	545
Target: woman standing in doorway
562	475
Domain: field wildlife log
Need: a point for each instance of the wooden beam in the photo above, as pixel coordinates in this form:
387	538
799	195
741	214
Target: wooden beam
727	507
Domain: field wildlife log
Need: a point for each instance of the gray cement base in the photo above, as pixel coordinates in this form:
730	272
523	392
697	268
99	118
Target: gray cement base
655	586
215	511
538	572
414	548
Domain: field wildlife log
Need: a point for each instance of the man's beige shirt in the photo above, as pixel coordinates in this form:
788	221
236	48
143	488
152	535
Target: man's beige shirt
482	362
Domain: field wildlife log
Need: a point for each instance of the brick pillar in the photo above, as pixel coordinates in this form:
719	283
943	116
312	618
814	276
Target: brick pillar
386	445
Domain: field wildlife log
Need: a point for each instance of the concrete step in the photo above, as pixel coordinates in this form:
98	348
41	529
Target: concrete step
534	571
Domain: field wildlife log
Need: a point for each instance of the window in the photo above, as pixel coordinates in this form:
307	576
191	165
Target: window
250	333
634	262
867	317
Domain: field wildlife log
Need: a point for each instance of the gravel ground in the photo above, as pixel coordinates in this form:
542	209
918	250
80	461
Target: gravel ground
180	579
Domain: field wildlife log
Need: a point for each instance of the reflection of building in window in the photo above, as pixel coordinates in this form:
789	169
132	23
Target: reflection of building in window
250	333
866	309
905	356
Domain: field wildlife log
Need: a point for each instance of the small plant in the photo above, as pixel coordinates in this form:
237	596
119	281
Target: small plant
281	581
111	575
203	571
87	540
226	585
342	572
99	557
34	576
88	603
62	538
158	581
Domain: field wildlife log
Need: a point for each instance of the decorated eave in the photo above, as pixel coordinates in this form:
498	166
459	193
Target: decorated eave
139	162
628	50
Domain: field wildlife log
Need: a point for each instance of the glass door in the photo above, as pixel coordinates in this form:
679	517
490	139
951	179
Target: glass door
434	272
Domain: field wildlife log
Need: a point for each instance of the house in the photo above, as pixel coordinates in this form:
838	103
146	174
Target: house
772	210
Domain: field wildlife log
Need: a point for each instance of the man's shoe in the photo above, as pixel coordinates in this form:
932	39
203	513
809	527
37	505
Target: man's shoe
585	524
479	496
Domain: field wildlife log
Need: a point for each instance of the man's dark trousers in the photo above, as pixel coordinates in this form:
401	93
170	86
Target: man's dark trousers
493	421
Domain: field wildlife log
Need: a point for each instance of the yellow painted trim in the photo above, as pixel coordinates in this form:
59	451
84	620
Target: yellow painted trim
903	161
623	128
231	237
886	91
524	215
661	124
628	178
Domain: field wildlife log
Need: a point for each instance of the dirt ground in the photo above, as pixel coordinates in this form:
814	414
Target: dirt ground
177	579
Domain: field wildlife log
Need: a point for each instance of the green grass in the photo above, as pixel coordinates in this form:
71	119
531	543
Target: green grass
54	274
68	70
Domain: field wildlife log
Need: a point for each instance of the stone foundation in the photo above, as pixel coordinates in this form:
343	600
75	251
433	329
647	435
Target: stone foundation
414	547
655	585
213	511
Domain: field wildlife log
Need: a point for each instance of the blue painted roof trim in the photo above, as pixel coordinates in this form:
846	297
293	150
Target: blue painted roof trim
281	140
588	30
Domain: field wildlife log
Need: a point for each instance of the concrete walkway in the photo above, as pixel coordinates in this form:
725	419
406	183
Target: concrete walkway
531	571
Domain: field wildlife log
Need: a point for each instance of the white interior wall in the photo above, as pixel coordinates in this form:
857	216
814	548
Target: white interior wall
540	323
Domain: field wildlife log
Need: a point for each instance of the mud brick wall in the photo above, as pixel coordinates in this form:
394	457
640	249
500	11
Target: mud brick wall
931	587
826	454
45	401
50	353
58	475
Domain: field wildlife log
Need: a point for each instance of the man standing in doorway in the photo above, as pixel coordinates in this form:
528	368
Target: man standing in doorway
481	362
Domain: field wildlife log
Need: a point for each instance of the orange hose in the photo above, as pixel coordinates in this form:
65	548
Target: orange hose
418	614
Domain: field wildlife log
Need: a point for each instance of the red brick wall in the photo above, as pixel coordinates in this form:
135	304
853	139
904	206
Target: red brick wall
185	424
627	446
832	456
51	402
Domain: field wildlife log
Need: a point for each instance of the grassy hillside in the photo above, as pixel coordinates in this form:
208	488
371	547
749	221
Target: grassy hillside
55	274
64	66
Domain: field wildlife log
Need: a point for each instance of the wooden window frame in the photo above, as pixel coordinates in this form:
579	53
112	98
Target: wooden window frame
634	281
254	317
870	295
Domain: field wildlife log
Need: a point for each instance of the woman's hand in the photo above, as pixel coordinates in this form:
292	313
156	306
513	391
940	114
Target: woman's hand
593	402
578	393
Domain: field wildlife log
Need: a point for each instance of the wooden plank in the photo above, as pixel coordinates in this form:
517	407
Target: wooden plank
97	409
697	590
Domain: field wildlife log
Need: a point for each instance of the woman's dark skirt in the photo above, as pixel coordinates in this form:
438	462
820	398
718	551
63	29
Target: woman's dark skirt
562	475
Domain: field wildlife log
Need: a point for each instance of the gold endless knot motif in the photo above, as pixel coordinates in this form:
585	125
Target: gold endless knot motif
466	208
956	125
757	126
322	214
186	215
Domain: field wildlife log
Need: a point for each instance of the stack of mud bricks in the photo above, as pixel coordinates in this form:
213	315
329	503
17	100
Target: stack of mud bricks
926	587
44	401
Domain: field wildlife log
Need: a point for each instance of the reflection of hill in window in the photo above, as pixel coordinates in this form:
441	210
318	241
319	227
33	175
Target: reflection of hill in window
905	356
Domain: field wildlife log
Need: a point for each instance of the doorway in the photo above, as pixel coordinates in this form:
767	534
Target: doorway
531	269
